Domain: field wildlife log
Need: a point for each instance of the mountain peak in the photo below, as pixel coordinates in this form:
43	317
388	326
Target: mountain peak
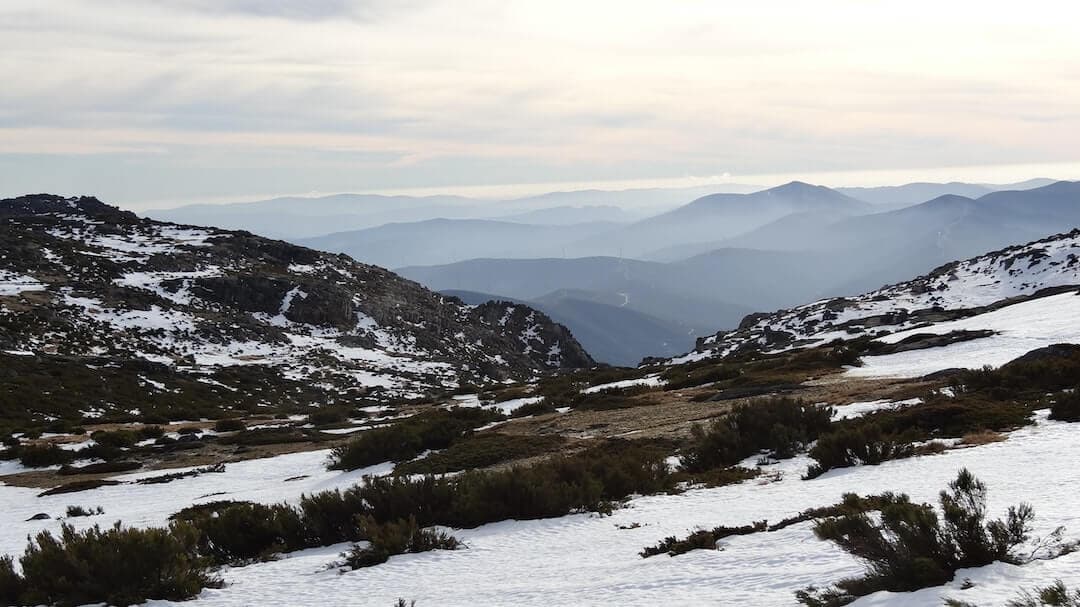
47	204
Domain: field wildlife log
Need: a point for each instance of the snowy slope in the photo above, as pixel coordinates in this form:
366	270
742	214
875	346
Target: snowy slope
952	291
588	560
81	279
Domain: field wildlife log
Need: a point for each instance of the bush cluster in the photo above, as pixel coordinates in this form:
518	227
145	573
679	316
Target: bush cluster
396	537
117	566
910	546
1066	407
480	451
1054	595
701	539
404	440
779	426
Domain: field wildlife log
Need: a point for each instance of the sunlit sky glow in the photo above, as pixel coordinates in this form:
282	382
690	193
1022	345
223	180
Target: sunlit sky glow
150	103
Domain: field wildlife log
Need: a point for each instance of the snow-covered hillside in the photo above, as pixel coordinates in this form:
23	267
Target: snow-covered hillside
81	279
956	290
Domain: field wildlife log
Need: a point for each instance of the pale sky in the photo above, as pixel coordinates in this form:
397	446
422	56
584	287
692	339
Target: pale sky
146	103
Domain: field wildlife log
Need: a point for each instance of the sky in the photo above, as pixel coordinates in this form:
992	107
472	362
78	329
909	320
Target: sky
159	103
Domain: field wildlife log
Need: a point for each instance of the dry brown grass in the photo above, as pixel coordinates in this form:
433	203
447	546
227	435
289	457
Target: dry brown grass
982	437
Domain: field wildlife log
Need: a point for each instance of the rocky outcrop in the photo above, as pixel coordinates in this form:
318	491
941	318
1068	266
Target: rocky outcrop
85	281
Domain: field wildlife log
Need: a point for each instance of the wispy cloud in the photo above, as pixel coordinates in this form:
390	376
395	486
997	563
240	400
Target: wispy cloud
422	92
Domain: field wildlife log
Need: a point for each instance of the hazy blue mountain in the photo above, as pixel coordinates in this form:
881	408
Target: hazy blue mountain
718	216
915	193
296	217
668	293
448	240
613	334
572	215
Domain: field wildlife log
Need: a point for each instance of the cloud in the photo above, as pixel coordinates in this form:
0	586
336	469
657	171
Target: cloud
485	91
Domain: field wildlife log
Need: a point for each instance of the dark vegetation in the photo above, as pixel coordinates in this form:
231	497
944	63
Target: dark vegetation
481	451
987	399
701	539
395	537
781	427
118	566
1055	595
404	440
707	539
913	547
77	511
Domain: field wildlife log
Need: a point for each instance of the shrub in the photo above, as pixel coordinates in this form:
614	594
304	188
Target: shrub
99	468
540	407
480	451
12	586
911	547
701	539
230	425
396	537
852	446
118	566
116	439
780	426
679	378
406	439
77	511
244	532
1066	407
39	456
330	517
1055	595
148	432
325	416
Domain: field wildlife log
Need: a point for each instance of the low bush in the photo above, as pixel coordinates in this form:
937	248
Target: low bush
326	416
78	511
701	539
118	566
616	398
117	439
853	446
244	532
230	425
779	426
1066	407
42	455
480	451
1055	595
99	468
396	537
12	585
910	546
541	407
680	378
404	440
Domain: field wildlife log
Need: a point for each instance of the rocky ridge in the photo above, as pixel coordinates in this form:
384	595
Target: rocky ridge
86	285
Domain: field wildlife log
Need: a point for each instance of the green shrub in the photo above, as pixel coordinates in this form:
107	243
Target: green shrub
41	455
99	468
541	407
396	537
326	416
244	532
404	440
148	432
912	547
680	378
118	566
780	426
78	511
1055	595
1066	407
853	446
480	451
700	540
117	439
330	517
12	585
